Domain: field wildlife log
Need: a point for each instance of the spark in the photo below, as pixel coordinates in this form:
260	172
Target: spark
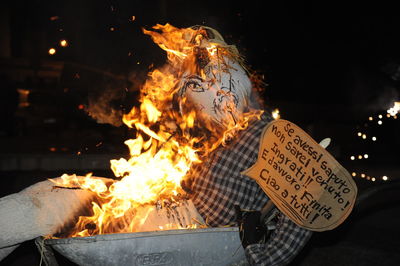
64	43
52	51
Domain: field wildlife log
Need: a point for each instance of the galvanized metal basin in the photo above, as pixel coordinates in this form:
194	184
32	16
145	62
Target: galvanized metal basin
210	246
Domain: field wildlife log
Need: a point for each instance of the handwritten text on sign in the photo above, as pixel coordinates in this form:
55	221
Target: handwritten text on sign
302	179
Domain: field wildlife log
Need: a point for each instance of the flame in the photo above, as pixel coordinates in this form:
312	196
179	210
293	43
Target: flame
168	141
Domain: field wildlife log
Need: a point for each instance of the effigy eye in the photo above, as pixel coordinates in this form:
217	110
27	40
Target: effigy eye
194	86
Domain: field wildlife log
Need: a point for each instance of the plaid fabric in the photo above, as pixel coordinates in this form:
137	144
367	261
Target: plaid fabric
284	244
218	186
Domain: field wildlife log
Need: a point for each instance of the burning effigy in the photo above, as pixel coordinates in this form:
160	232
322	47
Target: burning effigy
189	107
201	158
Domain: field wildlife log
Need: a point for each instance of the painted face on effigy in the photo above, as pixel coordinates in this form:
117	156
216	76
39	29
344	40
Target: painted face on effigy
221	97
219	93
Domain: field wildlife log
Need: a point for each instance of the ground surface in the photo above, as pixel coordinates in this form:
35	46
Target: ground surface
369	237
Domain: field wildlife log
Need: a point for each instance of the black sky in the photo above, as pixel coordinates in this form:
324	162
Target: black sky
309	52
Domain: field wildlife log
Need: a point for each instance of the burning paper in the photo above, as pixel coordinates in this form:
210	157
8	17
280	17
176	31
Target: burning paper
173	133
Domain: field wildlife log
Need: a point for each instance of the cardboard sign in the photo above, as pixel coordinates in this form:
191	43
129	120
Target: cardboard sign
303	180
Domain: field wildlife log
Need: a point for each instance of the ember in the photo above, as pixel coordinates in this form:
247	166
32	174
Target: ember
171	138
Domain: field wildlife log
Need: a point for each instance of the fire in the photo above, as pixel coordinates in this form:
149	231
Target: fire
169	140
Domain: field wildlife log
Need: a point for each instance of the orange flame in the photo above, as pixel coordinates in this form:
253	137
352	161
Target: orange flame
168	142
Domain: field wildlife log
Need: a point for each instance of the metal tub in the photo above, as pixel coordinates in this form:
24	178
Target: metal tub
210	246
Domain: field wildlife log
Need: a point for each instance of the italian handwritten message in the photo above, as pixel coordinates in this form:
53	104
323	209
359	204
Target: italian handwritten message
303	180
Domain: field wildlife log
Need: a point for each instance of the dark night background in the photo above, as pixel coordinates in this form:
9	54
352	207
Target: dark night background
327	67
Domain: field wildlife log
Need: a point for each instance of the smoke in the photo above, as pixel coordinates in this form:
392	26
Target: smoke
106	99
388	96
113	98
390	92
104	107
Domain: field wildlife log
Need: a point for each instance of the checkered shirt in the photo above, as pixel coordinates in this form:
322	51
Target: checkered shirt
218	186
